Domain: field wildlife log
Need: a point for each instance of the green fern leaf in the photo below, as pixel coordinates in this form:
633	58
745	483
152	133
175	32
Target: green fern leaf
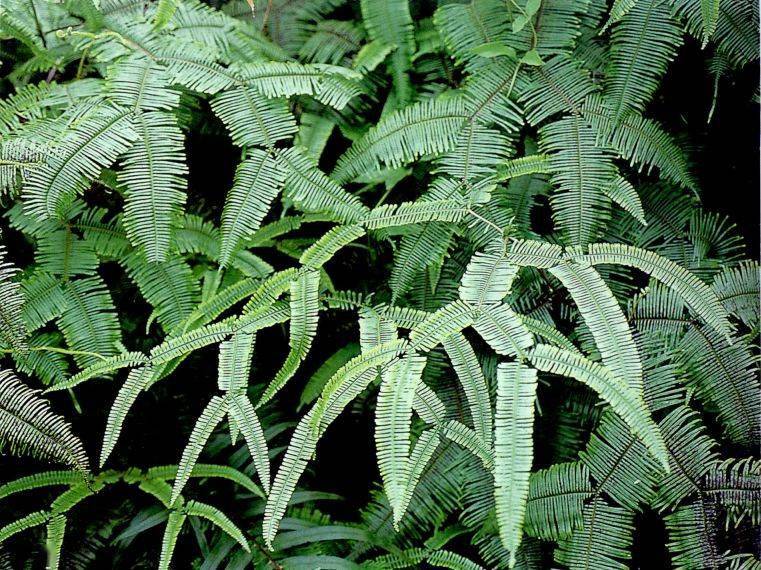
504	331
414	467
56	529
556	499
245	417
235	362
212	414
36	518
13	327
513	450
169	541
218	518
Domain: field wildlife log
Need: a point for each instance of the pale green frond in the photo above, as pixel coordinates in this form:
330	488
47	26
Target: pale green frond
487	279
218	518
428	405
211	416
451	560
559	86
580	169
641	141
427	128
300	450
56	528
331	41
153	172
304	305
603	542
473	383
165	9
177	346
523	166
195	69
643	43
606	321
556	499
533	253
513	450
140	84
393	414
252	119
101	369
696	293
137	381
29	427
61	252
423	247
196	22
93	144
205	471
407	213
548	333
171	532
621	191
258	181
317	381
18	159
322	250
440	325
618	11
330	84
625	402
242	411
503	330
235	362
313	191
414	467
469	439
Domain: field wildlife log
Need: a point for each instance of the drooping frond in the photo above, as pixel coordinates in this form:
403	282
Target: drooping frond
606	321
235	362
393	415
621	191
513	450
153	172
303	327
258	180
218	518
692	531
696	293
738	289
503	330
625	402
440	325
171	532
56	528
252	119
207	421
414	468
29	427
244	415
487	279
473	383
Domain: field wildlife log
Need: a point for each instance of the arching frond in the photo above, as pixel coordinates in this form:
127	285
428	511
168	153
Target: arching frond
252	119
13	326
56	528
242	411
218	518
171	532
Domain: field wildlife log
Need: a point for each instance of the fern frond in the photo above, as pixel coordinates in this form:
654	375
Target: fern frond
393	414
137	381
91	145
304	306
36	518
258	180
513	450
487	279
171	532
468	439
504	331
153	172
738	291
321	251
692	531
413	469
555	500
38	480
101	368
56	528
29	427
426	128
534	253
624	194
218	518
13	326
580	170
211	416
696	293
440	325
242	411
235	362
643	43
606	321
473	382
252	119
625	402
140	84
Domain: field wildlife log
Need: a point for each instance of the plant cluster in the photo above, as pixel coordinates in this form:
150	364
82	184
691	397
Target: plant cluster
470	225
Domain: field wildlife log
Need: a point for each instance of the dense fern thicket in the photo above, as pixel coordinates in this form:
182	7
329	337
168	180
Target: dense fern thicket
379	284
